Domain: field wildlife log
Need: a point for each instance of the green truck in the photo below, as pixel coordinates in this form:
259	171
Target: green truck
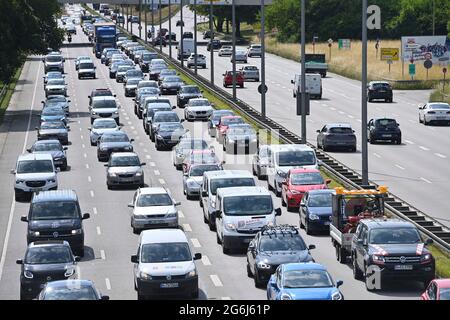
315	63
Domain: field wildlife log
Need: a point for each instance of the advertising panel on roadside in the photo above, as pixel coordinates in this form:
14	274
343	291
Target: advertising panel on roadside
421	48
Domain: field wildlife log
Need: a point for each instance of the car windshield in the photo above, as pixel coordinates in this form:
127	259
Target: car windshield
230	182
165	252
197	171
125	161
50	146
104	124
53	111
104	104
307	279
168	72
282	243
167	127
56	82
228	121
134	74
53	210
114	138
295	158
217	115
439	106
154	200
166	117
394	236
444	293
35	166
193	90
53	125
341	130
247	205
53	58
386	123
172	79
48	255
384	86
71	292
147	56
306	178
193	144
124	68
133	82
86	65
199	103
320	200
252	68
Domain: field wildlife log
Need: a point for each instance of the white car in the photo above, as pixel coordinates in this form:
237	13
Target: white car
56	87
104	107
198	109
254	50
250	73
434	112
153	208
164	265
86	69
226	51
241	56
100	126
80	59
201	61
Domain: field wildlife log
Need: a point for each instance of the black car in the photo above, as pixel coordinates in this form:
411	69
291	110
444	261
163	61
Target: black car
384	129
216	45
50	130
45	261
379	90
155	71
168	135
145	60
71	290
56	215
171	84
160	40
390	249
336	136
54	148
188	92
272	246
187	35
110	142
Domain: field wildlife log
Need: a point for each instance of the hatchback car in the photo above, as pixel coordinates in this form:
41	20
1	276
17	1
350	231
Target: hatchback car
254	50
54	148
124	168
110	142
384	129
315	210
104	107
336	136
377	90
216	44
225	51
101	126
71	290
241	56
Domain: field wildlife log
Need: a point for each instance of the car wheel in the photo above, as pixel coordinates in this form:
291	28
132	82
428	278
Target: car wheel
194	295
269	187
283	203
218	239
249	271
141	297
425	122
258	282
399	141
64	167
136	230
302	226
340	252
357	273
225	250
211	225
307	228
80	252
277	193
420	121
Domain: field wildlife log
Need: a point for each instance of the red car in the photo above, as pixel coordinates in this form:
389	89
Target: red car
207	156
228	79
438	289
297	182
224	123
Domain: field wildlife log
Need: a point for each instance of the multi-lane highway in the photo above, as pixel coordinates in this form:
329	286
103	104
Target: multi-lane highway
109	237
418	171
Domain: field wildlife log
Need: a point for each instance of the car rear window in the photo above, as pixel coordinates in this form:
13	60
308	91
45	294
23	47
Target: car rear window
385	86
341	130
386	123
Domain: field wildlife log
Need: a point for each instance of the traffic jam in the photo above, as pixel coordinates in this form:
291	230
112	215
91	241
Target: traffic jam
236	198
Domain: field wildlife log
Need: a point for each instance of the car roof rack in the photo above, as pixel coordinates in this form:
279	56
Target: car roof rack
283	229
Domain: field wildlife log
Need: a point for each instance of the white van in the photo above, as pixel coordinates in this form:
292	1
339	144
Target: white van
282	158
313	85
164	265
240	213
212	180
188	48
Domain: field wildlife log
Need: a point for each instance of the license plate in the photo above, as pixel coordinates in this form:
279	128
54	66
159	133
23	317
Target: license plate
156	221
326	223
440	117
386	135
403	267
247	240
169	285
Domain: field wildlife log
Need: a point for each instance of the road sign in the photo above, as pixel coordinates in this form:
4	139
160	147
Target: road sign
390	62
344	44
260	88
389	54
428	64
412	69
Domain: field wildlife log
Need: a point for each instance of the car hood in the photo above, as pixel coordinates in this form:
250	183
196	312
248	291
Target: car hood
104	110
36	176
201	108
310	293
197	180
102	131
123	170
57	224
54	154
320	210
167	268
308	187
53	86
48	268
154	210
280	257
52	131
171	84
115	144
398	249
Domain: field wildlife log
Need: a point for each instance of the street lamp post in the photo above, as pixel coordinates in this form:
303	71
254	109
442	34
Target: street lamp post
364	146
233	18
263	63
170	29
181	34
212	38
434	16
153	23
145	22
128	21
303	74
140	19
195	36
160	27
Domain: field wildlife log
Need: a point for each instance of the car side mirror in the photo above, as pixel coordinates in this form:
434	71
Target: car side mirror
178	203
311	247
134	259
65	148
218	213
89	97
13	171
29	150
204	193
36	128
143	164
85	216
131	140
292	81
339	283
278	212
77	259
19	261
197	256
105	165
130	205
24	218
251	246
318	131
181	120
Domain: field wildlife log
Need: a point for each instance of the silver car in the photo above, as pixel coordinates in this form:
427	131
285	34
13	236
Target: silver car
55	87
192	179
254	50
250	73
153	208
184	148
124	168
99	127
260	162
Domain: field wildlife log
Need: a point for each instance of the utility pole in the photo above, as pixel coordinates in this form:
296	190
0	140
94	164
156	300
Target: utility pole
153	23
303	74
181	34
160	27
195	36
434	16
170	29
128	21
263	63
212	38
364	146
140	19
145	22
233	17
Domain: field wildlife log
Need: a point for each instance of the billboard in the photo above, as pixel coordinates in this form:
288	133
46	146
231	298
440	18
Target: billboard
421	48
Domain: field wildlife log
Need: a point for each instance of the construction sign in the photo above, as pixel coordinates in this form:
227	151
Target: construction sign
390	54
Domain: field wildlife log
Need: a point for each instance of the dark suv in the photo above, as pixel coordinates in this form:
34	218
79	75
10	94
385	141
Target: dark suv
272	246
56	215
384	129
390	249
379	90
45	261
188	92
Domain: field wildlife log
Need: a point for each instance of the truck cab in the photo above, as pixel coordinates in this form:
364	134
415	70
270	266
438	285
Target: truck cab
315	63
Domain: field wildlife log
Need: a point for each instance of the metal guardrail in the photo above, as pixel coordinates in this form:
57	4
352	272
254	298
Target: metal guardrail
348	177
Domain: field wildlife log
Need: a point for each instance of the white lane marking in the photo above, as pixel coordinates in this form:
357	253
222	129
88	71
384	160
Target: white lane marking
359	120
78	272
108	284
132	128
426	180
400	167
129	122
83	146
102	254
13	202
161	181
81	137
92	193
216	280
127	118
409	142
145	149
87	166
85	155
195	243
225	298
333	108
350	116
324	105
141	144
157	173
424	148
89	179
99	231
341	112
310	120
147	156
152	164
205	260
94	209
180	214
187	227
440	155
412	121
81	129
377	155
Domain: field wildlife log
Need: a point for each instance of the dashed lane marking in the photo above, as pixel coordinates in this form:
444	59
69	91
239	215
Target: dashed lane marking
92	193
377	155
205	260
426	180
187	227
99	231
400	167
216	280
157	173
161	181
424	148
87	166
440	155
94	209
195	243
108	284
409	142
180	214
89	179
102	254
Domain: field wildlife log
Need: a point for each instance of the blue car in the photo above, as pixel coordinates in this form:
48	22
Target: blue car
315	211
303	281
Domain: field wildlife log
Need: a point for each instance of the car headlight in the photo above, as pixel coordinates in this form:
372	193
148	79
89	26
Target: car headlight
112	174
94	113
34	233
139	173
313	216
69	272
282	174
27	274
116	112
378	259
191	274
285	296
145	276
172	215
20	181
262	265
426	257
51	180
77	231
336	296
230	226
159	137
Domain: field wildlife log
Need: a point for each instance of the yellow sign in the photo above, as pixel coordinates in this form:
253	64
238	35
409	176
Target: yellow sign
390	54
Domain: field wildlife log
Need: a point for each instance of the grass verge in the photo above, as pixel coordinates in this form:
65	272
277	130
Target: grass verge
440	94
4	102
442	262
